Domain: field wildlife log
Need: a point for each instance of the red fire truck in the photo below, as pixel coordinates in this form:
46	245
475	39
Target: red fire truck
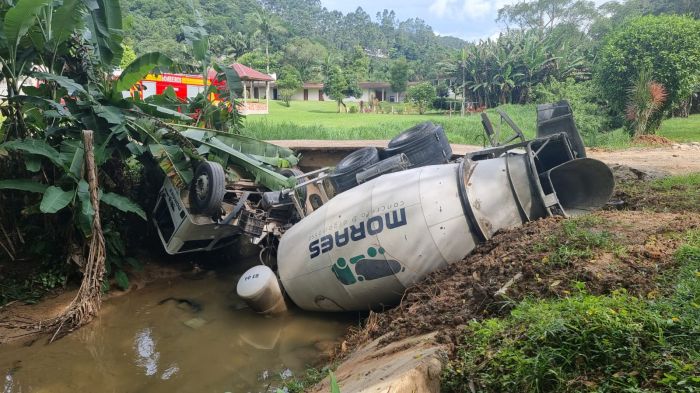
185	85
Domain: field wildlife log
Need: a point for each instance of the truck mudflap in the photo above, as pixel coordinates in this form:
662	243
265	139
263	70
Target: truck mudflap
363	248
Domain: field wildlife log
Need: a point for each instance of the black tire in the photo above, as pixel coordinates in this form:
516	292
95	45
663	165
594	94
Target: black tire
301	192
410	134
424	144
207	188
343	177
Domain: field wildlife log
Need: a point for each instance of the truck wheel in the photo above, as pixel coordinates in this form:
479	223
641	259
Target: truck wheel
207	188
343	177
301	192
424	144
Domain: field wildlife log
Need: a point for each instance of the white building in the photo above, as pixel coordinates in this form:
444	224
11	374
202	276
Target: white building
312	91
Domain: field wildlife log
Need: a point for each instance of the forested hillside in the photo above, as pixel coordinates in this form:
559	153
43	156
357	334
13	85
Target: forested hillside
300	33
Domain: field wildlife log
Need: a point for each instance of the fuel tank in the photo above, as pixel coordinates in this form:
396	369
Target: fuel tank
363	248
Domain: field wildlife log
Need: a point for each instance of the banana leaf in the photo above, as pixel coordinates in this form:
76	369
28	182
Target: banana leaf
239	148
173	162
261	150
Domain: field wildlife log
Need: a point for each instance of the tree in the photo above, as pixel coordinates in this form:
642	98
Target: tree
338	85
421	95
288	83
267	28
358	63
666	45
335	85
545	15
257	60
399	76
128	57
306	56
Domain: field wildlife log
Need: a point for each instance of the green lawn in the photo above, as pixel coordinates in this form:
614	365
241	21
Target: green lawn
320	120
681	129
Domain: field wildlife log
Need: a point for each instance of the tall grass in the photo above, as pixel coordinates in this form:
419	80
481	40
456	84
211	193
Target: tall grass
591	343
319	120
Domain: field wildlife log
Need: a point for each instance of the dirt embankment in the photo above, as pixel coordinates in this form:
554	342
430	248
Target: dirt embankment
551	257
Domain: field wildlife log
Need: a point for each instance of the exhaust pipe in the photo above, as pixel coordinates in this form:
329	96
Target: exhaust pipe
363	248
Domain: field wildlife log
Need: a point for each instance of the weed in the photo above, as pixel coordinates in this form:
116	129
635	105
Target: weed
311	377
590	343
691	180
29	288
578	239
674	193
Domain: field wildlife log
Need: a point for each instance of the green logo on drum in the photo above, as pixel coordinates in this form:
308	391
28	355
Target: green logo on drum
371	267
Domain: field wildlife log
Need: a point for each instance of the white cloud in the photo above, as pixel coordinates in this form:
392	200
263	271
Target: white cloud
467	9
440	7
477	9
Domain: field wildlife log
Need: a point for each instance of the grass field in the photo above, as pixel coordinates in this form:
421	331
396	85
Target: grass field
681	129
320	120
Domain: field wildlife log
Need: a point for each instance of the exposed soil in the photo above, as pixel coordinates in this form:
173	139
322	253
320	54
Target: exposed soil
671	160
655	140
519	263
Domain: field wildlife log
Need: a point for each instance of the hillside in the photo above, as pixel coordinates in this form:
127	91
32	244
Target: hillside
237	33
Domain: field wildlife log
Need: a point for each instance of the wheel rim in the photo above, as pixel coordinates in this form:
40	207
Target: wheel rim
202	187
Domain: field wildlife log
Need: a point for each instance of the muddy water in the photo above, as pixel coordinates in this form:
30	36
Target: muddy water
138	345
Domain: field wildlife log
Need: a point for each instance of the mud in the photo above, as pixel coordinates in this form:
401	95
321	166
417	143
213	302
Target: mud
520	263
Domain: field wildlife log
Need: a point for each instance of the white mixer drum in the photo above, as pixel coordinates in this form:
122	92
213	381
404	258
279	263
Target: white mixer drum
364	247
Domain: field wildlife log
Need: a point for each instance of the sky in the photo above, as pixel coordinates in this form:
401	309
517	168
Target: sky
470	20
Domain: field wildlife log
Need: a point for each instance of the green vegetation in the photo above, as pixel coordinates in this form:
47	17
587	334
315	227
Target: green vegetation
590	343
288	83
45	192
670	194
552	50
319	120
666	47
309	379
421	95
681	129
576	242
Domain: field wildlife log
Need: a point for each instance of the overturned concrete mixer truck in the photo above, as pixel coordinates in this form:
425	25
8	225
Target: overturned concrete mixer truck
356	236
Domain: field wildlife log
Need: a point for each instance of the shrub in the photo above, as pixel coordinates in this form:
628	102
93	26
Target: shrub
422	95
666	45
584	97
353	109
646	97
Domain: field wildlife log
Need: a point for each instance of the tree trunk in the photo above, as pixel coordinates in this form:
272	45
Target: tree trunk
87	302
464	94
